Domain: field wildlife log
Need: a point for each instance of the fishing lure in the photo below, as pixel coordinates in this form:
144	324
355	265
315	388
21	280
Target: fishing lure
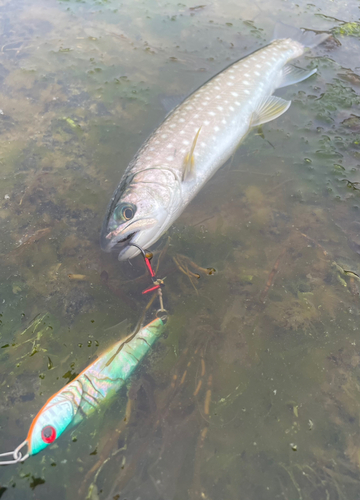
83	395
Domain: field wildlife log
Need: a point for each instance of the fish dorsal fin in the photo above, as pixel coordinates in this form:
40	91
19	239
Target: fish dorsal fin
189	162
292	74
270	108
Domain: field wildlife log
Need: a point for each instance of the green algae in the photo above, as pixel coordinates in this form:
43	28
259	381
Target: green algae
348	29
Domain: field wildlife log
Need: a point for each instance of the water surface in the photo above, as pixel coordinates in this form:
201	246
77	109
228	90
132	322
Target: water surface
254	391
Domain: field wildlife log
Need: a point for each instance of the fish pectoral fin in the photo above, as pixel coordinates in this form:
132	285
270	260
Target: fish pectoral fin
292	74
189	168
269	109
189	161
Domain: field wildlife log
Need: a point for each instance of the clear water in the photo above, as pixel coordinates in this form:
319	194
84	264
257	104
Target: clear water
254	393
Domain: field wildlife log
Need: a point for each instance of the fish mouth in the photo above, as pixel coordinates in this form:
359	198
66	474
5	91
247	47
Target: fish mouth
122	245
120	239
144	232
127	247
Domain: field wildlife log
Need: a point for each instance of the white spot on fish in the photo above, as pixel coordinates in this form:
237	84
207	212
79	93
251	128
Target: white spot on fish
223	121
181	120
211	113
170	158
247	91
256	73
245	82
268	63
185	142
246	74
217	88
157	142
172	125
170	146
231	71
164	136
231	108
238	103
230	84
148	158
234	94
206	122
196	116
220	108
258	65
188	107
232	77
216	129
182	132
151	149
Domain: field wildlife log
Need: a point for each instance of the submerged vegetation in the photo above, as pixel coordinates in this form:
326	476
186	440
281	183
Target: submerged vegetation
255	387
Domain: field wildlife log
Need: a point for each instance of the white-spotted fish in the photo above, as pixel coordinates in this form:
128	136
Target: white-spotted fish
196	138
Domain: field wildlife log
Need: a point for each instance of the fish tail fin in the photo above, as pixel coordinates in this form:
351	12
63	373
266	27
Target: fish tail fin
307	38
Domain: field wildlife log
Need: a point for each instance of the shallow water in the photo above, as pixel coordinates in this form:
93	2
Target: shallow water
254	392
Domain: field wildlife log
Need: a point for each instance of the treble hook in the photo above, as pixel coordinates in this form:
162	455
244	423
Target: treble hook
147	258
157	282
16	454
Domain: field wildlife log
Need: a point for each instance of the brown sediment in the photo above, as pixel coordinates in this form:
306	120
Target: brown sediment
271	277
109	445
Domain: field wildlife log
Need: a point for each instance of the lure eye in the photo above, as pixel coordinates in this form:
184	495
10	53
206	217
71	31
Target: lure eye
125	211
48	434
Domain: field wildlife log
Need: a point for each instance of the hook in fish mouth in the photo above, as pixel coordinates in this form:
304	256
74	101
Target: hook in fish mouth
122	235
121	244
142	250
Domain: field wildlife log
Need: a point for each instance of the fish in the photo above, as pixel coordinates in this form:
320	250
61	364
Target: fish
197	138
88	391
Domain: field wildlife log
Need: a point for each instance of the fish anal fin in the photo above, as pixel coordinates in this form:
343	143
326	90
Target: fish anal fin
269	109
292	74
189	161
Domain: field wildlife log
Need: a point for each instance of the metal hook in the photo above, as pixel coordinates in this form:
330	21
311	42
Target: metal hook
158	283
16	454
139	248
147	256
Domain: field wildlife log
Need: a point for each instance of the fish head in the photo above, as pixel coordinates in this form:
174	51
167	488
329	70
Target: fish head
49	424
133	219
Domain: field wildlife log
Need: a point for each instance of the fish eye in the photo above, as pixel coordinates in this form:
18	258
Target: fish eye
124	211
128	213
48	434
